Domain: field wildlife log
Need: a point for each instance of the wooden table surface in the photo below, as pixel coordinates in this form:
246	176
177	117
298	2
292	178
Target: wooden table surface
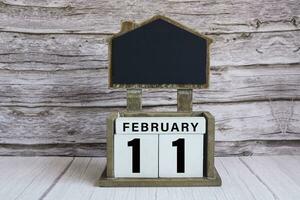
273	177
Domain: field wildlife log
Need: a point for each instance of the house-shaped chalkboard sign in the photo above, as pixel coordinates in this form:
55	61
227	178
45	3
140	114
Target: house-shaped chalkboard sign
159	53
159	148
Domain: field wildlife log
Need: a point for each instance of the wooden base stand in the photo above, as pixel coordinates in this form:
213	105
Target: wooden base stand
104	181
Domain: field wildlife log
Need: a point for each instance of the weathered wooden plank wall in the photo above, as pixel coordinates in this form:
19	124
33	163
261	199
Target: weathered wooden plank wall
53	73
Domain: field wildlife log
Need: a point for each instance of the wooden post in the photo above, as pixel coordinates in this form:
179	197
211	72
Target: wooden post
185	100
134	99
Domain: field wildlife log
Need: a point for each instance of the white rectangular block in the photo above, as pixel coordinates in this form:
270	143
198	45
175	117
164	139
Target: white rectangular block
136	155
181	155
160	125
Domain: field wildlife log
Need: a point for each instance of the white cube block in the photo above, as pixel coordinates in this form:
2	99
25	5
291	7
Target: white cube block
181	155
136	155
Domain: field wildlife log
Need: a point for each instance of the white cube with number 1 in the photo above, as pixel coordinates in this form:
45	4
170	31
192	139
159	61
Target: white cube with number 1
136	155
181	155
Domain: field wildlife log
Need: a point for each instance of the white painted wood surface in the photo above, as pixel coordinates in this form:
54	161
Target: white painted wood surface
29	177
257	178
79	16
53	73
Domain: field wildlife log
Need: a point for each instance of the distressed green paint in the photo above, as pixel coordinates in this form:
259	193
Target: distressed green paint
185	100
134	99
160	182
110	144
209	143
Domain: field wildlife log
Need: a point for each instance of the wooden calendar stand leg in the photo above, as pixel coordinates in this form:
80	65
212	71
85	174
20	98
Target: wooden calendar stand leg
134	100
184	100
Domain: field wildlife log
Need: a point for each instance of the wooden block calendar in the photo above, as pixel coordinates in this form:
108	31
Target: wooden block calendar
159	148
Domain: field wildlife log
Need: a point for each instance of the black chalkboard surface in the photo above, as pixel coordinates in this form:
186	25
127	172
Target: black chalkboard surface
159	54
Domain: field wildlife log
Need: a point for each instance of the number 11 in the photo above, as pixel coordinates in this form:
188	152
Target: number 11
135	144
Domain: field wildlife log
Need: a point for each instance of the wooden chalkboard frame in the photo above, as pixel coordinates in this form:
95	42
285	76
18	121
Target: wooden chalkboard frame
174	86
